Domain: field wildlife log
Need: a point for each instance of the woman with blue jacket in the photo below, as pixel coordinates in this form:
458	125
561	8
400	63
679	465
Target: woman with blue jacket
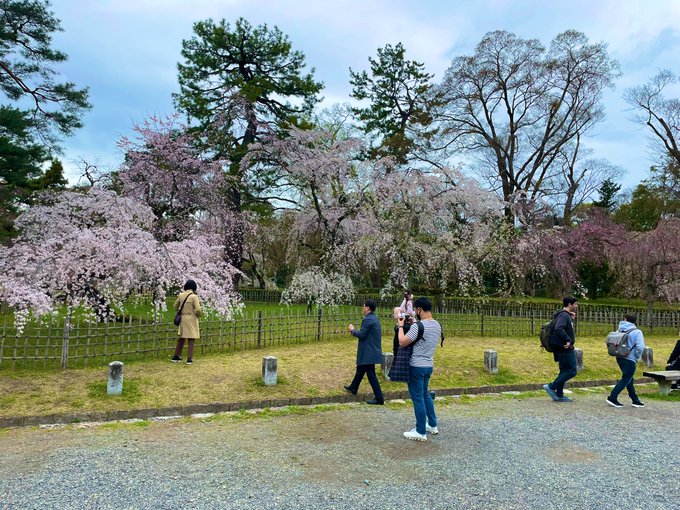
628	364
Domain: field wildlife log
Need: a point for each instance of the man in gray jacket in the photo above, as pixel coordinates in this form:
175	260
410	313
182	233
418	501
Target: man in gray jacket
628	364
369	352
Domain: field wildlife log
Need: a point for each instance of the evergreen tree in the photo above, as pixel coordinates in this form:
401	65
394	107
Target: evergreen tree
27	74
398	93
608	190
20	164
237	82
53	178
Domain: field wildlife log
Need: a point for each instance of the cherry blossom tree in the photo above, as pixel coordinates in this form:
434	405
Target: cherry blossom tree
185	189
360	214
318	288
549	258
331	189
163	169
434	228
93	249
648	263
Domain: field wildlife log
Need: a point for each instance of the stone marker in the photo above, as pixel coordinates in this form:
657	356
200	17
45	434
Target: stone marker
269	370
648	357
115	384
388	359
491	361
579	359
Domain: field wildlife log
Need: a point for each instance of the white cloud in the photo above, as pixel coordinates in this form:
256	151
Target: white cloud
127	50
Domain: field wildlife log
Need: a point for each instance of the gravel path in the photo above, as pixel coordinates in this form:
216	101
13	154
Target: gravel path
496	453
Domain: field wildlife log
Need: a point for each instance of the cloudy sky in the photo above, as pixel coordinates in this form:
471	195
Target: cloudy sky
126	52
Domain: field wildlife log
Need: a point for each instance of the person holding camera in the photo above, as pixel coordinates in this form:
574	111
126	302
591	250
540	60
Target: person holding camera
406	306
408	321
420	368
369	352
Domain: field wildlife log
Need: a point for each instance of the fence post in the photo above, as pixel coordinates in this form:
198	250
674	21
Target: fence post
576	321
259	329
318	329
65	340
481	316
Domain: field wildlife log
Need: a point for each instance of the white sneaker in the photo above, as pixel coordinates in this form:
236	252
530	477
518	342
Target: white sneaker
431	430
413	435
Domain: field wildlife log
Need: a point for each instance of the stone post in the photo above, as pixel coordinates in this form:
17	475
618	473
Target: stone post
491	361
579	359
387	360
115	384
648	357
269	370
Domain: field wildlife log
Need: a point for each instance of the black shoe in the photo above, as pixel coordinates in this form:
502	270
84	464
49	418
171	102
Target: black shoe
638	403
375	402
189	361
613	402
175	359
349	388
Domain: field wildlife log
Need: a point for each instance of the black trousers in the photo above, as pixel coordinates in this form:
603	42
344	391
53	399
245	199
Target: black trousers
368	370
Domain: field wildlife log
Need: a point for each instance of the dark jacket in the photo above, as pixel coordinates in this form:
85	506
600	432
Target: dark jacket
674	358
369	350
562	333
395	343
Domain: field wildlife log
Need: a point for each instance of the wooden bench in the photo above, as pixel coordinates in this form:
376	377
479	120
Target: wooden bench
665	378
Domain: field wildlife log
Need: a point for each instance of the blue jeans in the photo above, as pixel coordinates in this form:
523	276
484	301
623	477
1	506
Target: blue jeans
628	368
567	364
423	407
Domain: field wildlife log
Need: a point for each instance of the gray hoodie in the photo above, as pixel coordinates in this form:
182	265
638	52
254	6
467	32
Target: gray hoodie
636	340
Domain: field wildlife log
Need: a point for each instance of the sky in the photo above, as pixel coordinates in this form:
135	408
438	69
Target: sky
126	52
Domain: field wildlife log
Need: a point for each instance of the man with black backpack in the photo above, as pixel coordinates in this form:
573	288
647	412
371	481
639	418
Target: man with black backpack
562	340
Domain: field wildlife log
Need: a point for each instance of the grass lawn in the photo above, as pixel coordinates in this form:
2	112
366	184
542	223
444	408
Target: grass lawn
310	369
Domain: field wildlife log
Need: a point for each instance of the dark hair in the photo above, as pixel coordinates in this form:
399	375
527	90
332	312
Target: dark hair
407	294
371	304
568	300
190	285
423	303
631	317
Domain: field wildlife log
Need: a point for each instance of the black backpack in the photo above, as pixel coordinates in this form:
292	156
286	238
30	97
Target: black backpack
548	329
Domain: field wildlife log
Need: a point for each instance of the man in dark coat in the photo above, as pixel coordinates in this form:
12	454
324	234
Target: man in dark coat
369	352
562	340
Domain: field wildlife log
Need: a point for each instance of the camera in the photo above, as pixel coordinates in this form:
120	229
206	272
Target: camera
405	316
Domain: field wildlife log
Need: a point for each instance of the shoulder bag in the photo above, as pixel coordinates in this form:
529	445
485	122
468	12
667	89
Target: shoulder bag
178	315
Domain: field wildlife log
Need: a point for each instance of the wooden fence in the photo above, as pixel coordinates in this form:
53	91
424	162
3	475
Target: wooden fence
445	304
75	343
